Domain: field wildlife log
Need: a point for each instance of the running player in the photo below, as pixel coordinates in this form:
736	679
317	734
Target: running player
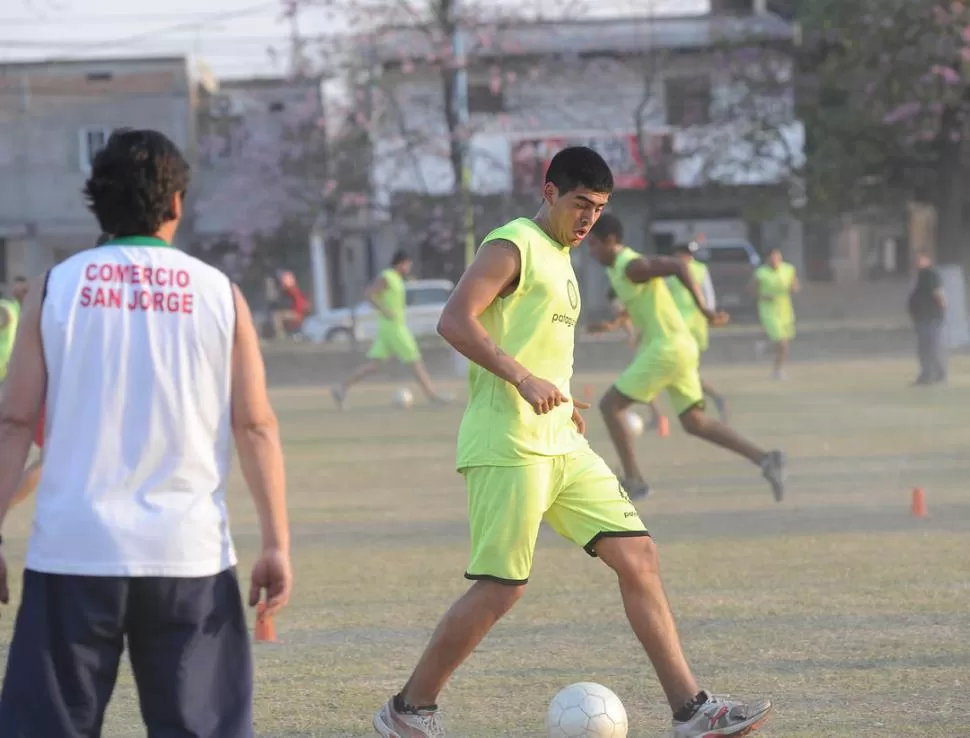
695	319
667	359
524	458
774	283
394	338
621	320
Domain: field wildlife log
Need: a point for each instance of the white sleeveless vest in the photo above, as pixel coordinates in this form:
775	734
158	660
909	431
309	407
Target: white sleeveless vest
138	340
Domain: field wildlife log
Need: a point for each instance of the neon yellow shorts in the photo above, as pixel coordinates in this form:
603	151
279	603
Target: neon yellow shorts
672	367
394	342
778	322
576	494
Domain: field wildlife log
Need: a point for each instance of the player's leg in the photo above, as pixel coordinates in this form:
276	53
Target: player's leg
379	353
720	402
405	349
505	507
687	397
640	382
593	511
190	654
64	656
781	356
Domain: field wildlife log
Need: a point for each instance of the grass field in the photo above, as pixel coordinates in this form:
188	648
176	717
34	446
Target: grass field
851	614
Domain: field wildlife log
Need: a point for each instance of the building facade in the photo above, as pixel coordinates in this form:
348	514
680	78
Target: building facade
54	118
694	114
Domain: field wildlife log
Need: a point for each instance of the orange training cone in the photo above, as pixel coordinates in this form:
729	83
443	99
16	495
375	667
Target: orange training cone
919	503
663	426
265	630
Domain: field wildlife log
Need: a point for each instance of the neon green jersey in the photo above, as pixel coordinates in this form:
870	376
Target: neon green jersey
650	304
696	322
8	334
535	325
392	298
774	288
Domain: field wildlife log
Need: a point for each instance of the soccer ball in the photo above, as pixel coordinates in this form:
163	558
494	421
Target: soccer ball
586	710
633	423
404	398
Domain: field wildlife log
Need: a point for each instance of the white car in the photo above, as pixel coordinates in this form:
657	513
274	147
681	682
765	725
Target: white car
425	301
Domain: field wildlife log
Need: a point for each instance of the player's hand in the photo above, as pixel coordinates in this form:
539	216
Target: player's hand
717	319
578	419
272	574
4	591
542	395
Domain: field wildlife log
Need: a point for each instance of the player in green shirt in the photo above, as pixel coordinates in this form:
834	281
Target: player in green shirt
524	457
696	322
774	283
667	358
394	340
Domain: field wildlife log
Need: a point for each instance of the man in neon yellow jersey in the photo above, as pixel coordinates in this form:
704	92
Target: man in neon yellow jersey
667	359
9	319
774	283
522	452
696	322
394	339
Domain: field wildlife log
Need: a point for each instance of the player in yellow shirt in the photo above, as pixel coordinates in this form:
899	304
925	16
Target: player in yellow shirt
667	358
522	452
694	318
394	340
774	283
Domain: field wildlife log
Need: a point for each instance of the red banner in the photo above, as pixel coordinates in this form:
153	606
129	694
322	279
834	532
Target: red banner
531	157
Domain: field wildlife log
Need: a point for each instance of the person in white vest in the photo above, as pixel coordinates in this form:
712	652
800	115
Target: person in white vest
149	365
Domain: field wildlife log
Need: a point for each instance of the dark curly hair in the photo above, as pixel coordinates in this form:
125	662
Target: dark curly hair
580	166
133	180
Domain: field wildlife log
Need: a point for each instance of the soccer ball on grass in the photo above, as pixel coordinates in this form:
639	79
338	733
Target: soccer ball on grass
586	710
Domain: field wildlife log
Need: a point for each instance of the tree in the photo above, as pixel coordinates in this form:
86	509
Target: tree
887	109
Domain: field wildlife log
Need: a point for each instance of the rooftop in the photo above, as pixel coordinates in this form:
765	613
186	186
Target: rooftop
623	35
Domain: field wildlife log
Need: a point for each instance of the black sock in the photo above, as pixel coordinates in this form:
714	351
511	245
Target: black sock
690	708
401	706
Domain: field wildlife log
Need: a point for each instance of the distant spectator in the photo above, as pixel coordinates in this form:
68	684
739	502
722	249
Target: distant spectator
294	308
927	307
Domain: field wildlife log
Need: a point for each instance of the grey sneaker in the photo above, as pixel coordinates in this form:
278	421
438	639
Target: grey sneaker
773	469
411	722
721	716
339	397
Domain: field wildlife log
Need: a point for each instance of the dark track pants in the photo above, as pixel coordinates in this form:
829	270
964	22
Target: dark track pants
187	641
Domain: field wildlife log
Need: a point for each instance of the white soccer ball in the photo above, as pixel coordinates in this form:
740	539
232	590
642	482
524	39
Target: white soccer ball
633	423
586	710
404	398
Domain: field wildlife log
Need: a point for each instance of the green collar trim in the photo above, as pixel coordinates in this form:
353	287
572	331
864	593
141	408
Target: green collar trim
139	241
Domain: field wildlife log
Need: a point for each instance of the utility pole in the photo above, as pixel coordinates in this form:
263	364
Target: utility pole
459	103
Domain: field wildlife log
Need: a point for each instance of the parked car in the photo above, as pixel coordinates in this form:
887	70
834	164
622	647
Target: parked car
425	301
732	263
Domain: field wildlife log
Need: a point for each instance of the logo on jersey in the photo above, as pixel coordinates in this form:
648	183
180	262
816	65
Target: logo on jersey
573	294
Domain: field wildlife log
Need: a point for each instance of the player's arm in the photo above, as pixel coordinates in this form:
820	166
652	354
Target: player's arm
22	398
492	274
796	286
375	290
256	431
643	270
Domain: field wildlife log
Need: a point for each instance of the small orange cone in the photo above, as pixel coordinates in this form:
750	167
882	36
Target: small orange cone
663	426
919	503
265	630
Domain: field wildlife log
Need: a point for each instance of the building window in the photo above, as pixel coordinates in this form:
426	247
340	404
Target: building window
688	100
481	99
91	140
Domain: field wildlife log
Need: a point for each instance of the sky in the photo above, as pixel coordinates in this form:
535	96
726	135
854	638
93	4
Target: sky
234	38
